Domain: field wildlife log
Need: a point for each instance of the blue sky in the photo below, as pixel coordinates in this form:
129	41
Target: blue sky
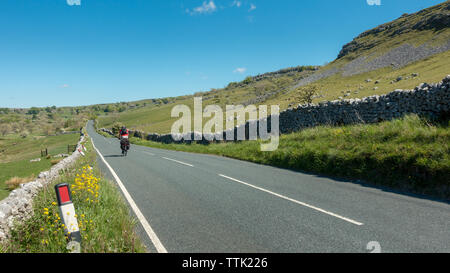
102	51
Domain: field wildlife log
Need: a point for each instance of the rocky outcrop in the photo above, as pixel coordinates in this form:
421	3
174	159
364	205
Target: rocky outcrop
18	206
436	18
396	58
288	71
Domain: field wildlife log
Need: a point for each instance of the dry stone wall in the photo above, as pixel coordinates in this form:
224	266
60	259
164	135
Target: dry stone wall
429	100
18	206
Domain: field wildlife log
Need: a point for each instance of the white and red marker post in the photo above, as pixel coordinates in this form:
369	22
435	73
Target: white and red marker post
67	211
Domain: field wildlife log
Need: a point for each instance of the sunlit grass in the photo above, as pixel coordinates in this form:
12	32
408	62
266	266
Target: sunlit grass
408	153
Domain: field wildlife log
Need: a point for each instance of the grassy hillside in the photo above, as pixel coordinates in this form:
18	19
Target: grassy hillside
253	90
422	40
381	81
41	121
410	154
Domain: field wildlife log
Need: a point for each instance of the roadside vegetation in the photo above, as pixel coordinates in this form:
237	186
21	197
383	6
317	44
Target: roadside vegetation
103	216
410	153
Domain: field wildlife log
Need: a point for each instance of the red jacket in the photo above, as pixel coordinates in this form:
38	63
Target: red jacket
122	133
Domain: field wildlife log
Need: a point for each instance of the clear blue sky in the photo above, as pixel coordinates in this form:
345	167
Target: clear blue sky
53	53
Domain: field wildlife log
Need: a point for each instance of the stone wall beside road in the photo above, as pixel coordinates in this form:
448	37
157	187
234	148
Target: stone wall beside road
17	207
429	100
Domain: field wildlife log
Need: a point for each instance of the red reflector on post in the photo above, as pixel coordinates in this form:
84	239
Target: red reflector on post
63	193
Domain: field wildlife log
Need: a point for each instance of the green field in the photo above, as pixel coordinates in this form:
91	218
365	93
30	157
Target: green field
17	152
409	154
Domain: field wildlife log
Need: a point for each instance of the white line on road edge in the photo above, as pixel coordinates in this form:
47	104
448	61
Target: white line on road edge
148	229
295	201
148	153
178	161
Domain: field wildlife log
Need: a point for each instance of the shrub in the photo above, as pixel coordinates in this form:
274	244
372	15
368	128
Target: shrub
55	161
116	127
14	182
247	80
5	129
33	111
306	93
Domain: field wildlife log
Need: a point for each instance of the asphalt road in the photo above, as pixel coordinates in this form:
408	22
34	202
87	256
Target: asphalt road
204	203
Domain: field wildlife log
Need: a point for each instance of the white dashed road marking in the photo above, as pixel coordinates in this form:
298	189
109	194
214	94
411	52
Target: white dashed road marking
178	161
295	201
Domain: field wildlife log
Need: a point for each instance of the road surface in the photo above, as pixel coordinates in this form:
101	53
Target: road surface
204	203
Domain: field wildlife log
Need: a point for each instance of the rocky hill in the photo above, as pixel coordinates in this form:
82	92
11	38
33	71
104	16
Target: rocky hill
410	38
436	18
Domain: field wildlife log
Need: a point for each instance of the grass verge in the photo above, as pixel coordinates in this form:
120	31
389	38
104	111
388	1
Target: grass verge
103	217
409	154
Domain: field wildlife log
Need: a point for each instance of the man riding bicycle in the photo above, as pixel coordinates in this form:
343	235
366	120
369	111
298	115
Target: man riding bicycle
124	141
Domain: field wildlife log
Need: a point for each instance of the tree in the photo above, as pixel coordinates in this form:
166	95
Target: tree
58	127
247	80
306	94
33	111
24	134
69	123
30	128
5	129
93	116
48	129
109	109
116	127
